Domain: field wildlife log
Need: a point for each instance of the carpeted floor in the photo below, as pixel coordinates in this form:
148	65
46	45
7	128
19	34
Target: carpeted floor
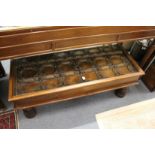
78	113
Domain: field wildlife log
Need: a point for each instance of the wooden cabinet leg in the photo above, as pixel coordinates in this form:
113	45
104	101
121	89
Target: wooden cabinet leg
121	92
30	113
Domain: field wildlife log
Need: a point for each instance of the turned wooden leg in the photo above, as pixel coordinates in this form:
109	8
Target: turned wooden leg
30	113
121	92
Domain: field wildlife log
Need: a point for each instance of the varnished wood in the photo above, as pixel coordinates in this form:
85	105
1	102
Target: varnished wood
149	78
52	39
97	84
148	56
41	40
72	91
69	95
23	29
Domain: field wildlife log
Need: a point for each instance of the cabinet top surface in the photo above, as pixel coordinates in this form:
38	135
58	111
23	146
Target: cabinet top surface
26	41
24	29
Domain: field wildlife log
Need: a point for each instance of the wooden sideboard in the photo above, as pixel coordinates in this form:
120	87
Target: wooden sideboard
30	42
40	40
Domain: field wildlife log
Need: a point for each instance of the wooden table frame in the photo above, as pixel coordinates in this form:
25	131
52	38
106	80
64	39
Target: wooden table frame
41	40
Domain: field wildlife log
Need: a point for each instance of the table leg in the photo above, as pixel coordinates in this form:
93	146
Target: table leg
121	92
30	112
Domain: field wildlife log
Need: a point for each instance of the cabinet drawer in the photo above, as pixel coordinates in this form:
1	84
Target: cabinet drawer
137	35
54	77
84	41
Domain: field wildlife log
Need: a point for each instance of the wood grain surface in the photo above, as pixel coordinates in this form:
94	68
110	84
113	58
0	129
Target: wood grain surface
138	115
39	40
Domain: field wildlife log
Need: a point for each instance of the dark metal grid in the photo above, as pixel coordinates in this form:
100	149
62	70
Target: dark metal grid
73	58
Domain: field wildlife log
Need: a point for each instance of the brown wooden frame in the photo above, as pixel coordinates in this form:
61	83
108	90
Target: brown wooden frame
41	40
149	78
73	91
33	41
